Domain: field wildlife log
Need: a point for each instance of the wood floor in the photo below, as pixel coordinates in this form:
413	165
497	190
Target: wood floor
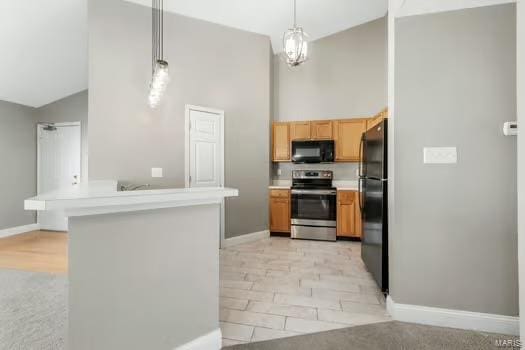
38	251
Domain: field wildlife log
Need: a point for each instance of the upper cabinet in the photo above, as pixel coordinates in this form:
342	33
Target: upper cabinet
281	142
300	131
347	136
322	130
377	119
311	130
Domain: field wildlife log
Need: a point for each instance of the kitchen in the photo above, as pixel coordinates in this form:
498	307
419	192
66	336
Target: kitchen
265	288
338	186
298	152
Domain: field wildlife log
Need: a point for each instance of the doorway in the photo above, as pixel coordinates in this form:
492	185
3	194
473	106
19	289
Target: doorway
204	144
58	166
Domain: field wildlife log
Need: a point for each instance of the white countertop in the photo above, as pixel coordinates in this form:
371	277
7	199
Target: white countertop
280	185
342	185
101	197
345	185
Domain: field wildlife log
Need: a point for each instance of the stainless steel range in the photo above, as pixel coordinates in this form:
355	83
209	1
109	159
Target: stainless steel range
313	205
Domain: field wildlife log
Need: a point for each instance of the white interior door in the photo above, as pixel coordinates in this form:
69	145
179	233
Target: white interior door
58	166
206	149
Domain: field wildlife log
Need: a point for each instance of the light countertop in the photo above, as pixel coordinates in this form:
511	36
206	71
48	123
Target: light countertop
99	197
280	185
345	185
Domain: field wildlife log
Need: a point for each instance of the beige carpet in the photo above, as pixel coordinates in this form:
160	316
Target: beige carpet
388	335
33	311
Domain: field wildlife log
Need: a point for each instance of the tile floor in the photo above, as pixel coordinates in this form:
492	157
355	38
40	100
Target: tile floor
279	287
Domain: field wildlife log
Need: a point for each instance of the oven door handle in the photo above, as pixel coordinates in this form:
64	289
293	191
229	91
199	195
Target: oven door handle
322	192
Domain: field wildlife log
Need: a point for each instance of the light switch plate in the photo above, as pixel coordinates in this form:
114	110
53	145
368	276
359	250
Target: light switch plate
440	155
156	172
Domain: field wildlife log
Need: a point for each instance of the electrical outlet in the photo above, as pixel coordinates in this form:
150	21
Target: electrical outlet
156	172
440	155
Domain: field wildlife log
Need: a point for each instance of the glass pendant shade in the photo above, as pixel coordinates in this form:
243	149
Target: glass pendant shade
159	81
159	72
295	45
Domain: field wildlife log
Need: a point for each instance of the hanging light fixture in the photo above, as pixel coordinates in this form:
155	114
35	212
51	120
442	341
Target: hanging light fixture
160	76
295	43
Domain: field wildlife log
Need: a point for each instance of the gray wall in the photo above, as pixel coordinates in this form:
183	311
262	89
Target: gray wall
143	291
18	151
73	108
454	244
18	157
210	65
346	77
521	156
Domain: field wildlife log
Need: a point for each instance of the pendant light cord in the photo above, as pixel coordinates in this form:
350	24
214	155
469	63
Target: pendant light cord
152	35
157	29
162	29
157	32
295	13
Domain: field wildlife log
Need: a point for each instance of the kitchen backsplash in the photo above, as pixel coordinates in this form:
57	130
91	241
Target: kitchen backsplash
342	171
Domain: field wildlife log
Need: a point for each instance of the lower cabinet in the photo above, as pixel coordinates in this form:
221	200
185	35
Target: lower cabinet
348	214
280	207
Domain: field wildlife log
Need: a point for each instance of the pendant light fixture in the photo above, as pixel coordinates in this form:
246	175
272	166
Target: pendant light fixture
295	43
160	76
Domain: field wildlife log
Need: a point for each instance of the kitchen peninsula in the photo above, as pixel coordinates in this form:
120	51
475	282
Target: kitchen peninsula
143	273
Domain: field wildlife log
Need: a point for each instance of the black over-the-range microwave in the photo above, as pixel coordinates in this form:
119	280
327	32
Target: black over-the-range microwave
313	151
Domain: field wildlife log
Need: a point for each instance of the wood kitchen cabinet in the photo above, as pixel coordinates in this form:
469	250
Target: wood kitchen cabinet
377	119
281	142
280	208
348	214
300	131
347	136
322	130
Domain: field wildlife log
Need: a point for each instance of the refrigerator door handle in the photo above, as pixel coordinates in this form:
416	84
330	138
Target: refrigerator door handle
360	194
361	155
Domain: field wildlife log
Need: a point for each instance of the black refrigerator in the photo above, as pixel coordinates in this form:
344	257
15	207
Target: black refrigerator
373	200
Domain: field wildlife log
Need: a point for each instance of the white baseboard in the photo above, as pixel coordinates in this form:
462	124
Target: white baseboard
18	229
210	341
453	318
249	237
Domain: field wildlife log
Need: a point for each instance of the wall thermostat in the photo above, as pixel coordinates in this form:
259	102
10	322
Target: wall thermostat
510	128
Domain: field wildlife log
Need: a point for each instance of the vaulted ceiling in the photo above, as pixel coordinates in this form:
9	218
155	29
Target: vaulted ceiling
44	43
43	50
319	18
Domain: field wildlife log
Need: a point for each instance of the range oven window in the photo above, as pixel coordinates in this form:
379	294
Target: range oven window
313	206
